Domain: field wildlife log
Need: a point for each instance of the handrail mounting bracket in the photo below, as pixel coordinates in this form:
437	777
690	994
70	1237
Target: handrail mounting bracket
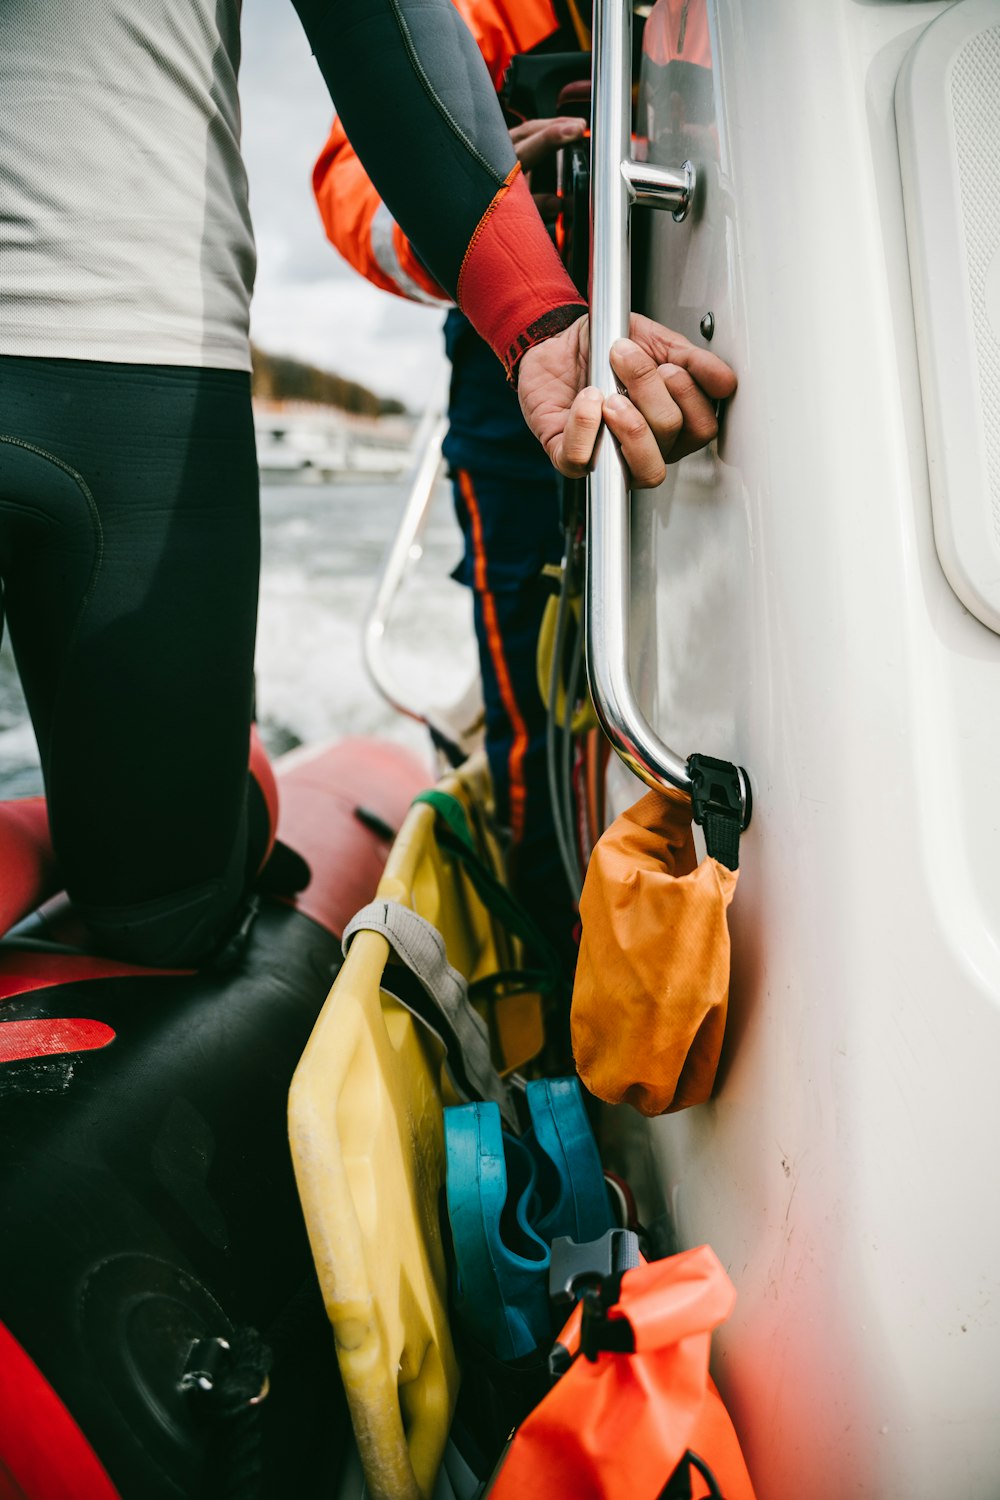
661	187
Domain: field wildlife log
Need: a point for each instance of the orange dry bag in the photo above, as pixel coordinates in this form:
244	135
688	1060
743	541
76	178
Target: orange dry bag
635	1416
652	982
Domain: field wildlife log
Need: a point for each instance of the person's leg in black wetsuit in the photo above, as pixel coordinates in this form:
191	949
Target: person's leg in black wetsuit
129	557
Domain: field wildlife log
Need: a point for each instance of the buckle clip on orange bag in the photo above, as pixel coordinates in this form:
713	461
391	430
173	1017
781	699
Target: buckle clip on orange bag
635	1416
652	983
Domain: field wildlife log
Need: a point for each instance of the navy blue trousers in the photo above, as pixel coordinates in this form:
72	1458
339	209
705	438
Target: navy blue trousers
511	530
507	498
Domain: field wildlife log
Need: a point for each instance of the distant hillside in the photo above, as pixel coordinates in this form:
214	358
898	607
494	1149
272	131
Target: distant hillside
276	377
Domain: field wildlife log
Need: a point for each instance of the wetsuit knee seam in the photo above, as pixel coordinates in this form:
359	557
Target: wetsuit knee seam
84	488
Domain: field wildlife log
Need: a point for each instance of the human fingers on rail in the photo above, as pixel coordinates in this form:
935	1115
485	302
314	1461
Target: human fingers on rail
668	408
534	140
715	378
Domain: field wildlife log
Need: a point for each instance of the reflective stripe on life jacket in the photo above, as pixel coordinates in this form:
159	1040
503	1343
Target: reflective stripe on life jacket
391	248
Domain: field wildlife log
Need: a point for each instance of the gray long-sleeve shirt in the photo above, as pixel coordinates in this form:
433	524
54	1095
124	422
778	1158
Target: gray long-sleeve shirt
124	225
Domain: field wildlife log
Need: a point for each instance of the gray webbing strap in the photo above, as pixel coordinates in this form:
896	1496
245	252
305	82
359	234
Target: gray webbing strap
452	1018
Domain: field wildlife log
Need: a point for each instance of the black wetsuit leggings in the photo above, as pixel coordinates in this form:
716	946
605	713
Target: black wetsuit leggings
129	560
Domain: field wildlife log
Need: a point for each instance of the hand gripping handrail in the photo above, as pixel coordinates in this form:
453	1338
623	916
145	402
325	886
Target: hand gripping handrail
617	182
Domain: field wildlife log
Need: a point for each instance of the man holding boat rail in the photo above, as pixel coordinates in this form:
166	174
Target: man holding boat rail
129	536
506	492
506	496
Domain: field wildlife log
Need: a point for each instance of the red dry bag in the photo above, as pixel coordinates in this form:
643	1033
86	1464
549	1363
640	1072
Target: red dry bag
637	1397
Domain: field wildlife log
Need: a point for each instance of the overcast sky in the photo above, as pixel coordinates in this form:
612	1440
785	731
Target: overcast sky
308	302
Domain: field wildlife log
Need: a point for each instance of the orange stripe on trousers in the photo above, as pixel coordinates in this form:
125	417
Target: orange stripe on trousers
519	747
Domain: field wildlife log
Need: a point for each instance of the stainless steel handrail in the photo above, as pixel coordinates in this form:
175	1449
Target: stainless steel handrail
616	183
403	552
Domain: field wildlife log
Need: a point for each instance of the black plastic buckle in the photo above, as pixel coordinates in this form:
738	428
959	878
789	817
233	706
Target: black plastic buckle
599	1332
598	1263
719	788
592	1273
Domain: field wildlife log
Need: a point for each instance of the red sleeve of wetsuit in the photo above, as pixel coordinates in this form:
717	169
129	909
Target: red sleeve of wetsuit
419	108
512	287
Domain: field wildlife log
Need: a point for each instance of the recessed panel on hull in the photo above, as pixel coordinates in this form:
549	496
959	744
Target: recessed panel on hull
948	117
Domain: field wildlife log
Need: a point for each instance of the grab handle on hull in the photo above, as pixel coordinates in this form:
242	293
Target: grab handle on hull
617	182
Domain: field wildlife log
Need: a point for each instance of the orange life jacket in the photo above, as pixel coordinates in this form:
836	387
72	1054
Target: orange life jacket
677	31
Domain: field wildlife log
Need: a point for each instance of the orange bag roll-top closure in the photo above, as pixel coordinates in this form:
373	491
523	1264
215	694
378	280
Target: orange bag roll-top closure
677	1298
652	982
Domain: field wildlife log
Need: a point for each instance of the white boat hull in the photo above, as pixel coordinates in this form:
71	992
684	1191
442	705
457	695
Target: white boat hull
790	612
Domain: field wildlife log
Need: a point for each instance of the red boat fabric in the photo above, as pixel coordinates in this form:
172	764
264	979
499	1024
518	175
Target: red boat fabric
22	970
43	1453
322	794
263	773
28	870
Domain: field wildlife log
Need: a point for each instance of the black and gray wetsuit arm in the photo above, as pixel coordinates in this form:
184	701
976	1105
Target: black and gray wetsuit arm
416	100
